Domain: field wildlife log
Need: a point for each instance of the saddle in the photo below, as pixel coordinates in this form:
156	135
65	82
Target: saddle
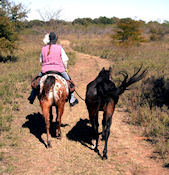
36	81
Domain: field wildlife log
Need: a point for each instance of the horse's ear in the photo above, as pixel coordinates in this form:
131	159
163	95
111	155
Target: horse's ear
103	69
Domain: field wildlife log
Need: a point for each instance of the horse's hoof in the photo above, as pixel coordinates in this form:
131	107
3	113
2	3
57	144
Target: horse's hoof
58	135
96	150
49	144
93	146
104	157
103	137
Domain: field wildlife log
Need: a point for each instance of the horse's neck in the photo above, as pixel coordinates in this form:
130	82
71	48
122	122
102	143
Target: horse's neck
99	79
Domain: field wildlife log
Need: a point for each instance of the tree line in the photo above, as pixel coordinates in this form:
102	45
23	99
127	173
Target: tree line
13	20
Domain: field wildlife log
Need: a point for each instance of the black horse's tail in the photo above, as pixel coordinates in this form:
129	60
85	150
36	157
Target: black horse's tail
49	82
133	79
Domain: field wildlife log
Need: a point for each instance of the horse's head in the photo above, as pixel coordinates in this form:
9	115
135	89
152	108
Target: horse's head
105	74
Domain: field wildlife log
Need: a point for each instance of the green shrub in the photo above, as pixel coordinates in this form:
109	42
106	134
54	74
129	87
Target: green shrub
5	121
7	36
128	32
72	58
149	109
10	24
155	91
105	53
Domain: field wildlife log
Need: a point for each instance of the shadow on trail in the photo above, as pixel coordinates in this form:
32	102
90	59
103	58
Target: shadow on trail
82	133
36	124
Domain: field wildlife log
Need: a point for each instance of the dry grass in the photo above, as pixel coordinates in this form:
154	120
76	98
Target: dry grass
21	150
155	57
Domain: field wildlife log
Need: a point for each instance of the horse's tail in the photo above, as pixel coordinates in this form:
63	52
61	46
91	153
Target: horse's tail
48	84
133	79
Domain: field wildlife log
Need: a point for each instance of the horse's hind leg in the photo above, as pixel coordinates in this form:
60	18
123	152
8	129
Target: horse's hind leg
51	115
106	134
95	126
60	109
46	111
107	121
103	127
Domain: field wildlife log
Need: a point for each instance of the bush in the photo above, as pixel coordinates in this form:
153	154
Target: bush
150	110
157	31
155	92
128	31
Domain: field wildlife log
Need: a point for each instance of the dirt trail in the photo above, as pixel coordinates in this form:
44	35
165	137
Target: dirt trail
127	155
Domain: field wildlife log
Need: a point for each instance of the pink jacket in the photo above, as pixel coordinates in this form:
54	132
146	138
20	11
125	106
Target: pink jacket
53	61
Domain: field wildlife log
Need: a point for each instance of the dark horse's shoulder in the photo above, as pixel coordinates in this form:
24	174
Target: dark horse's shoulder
106	85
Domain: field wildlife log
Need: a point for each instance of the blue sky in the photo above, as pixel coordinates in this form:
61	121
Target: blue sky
146	10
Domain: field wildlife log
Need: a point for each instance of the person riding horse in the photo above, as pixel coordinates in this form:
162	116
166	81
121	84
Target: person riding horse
54	60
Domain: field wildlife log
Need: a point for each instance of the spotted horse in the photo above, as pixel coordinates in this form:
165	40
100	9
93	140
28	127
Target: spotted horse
53	91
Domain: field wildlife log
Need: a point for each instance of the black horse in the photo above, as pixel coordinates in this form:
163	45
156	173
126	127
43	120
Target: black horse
103	95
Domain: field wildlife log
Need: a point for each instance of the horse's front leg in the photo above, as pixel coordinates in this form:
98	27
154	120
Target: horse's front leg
60	110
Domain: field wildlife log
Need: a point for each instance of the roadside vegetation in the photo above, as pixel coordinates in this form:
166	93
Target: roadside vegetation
126	42
129	47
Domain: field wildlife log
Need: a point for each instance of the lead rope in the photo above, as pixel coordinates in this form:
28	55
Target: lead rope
76	91
79	96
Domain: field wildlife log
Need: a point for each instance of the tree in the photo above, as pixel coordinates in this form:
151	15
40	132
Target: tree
10	16
8	36
83	21
128	31
103	20
49	14
15	12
